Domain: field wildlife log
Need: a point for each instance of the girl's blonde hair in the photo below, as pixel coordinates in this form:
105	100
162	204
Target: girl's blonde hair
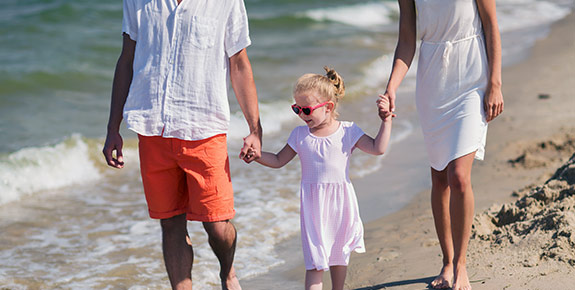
330	87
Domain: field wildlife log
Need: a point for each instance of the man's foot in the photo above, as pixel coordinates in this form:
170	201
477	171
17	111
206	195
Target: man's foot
232	283
461	281
443	280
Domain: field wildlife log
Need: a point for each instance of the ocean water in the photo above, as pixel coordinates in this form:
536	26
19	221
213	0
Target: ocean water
69	222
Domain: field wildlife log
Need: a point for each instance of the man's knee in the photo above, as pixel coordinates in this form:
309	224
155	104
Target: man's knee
173	224
223	230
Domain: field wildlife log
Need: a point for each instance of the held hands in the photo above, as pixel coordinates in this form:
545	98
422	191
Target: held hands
384	107
252	148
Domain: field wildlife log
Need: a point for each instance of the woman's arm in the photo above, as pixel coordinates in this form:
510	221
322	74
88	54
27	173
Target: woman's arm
405	49
277	160
493	101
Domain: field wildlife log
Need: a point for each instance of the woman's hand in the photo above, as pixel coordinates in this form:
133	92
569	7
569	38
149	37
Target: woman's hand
384	107
493	103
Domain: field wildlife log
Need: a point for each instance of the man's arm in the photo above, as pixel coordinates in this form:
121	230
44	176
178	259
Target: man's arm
245	89
120	88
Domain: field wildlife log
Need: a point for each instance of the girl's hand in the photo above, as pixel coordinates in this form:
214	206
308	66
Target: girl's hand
251	149
493	103
249	156
384	107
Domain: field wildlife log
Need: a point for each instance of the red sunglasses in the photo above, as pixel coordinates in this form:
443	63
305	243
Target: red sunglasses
306	110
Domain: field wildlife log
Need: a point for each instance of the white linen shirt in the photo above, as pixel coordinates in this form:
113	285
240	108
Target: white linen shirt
181	65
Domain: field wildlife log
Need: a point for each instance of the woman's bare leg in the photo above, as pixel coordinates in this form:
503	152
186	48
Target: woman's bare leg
440	199
461	210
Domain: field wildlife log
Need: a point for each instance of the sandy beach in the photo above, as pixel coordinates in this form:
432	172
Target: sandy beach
524	229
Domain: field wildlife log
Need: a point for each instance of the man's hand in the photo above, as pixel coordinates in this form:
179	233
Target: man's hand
113	143
252	148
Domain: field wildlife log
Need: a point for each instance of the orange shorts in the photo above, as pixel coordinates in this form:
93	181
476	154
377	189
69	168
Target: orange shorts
191	177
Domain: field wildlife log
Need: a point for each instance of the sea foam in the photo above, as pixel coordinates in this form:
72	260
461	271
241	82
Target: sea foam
34	169
367	15
520	14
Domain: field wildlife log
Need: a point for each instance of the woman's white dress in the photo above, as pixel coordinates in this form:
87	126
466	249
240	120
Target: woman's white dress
331	227
452	78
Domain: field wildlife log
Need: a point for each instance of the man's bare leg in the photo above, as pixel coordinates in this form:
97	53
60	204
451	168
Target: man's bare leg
222	238
440	200
178	252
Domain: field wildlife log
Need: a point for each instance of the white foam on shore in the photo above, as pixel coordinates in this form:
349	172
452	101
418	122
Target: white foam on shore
272	115
520	14
368	15
377	72
34	169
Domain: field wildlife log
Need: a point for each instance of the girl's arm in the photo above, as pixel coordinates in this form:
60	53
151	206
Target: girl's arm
277	160
378	145
493	101
405	49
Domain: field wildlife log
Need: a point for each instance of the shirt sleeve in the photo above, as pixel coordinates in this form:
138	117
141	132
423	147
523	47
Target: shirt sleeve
292	140
355	132
237	29
129	21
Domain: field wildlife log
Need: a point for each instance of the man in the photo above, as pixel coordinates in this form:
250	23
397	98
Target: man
170	85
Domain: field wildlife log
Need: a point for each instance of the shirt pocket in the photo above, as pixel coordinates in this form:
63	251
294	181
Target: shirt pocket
202	32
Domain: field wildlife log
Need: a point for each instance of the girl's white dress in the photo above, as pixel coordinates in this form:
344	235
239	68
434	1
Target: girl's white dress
452	78
330	223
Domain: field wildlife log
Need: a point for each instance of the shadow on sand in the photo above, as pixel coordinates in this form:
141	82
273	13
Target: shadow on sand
425	281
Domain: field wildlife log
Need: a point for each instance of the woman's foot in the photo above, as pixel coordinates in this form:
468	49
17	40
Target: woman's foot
443	280
461	281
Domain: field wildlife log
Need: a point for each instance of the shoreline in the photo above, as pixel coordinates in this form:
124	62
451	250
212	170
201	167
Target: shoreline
398	242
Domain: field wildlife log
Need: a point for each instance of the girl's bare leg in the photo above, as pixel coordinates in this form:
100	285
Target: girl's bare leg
338	274
462	205
440	199
313	280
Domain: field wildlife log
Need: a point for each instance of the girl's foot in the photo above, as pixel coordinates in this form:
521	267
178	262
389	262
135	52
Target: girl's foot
461	280
443	280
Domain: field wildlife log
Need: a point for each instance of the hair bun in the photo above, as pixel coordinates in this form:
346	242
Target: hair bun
336	80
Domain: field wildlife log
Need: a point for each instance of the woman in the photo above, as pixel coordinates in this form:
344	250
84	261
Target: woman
458	91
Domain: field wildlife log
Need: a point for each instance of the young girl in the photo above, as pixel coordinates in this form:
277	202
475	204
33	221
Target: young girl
330	224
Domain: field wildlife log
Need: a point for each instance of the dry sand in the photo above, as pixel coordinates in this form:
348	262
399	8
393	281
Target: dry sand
524	229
